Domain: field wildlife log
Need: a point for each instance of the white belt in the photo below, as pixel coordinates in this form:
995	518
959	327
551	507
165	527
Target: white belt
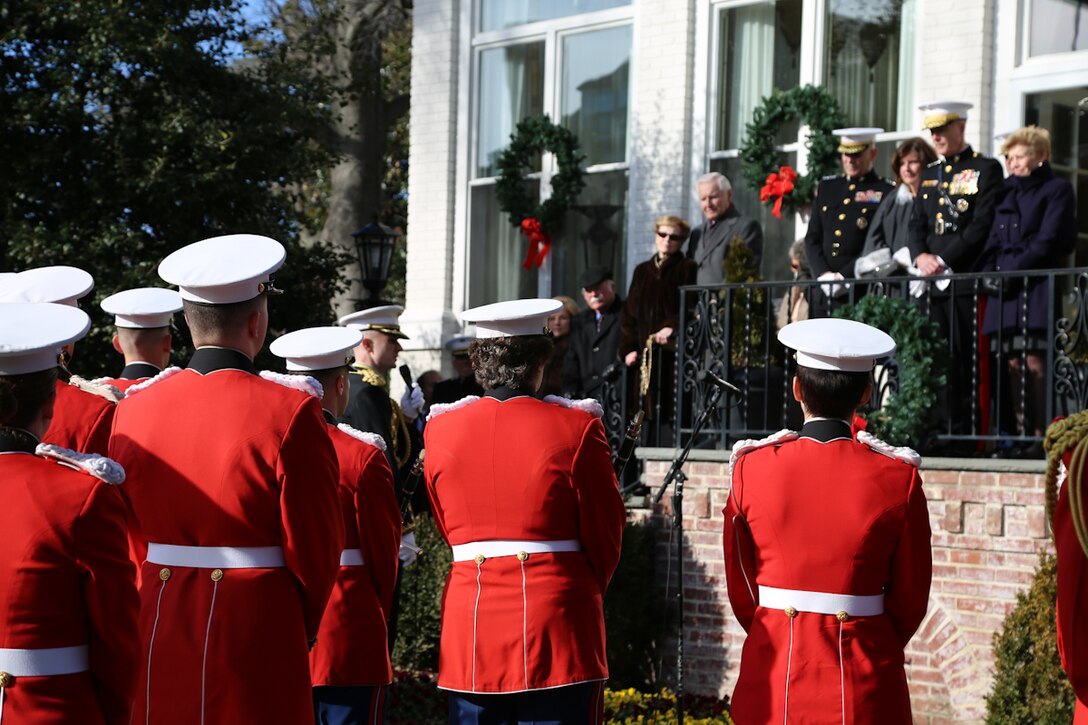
217	557
352	557
44	662
821	602
480	550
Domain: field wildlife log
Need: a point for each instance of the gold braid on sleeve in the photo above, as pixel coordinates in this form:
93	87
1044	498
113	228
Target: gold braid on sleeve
1068	434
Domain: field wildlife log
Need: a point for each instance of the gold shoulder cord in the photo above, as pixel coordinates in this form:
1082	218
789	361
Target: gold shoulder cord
398	426
1066	434
647	367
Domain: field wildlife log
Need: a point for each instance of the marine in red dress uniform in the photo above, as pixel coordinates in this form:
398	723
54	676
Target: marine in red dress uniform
1063	439
350	665
68	649
142	319
523	490
828	564
232	481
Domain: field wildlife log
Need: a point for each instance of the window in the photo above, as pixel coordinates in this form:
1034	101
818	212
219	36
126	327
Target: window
1057	26
576	70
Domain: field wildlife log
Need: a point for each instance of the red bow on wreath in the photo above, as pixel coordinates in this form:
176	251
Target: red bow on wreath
540	243
777	186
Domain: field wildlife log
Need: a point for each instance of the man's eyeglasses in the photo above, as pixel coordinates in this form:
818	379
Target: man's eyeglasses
673	237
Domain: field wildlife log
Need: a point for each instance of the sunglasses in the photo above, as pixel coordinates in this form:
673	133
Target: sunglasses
673	237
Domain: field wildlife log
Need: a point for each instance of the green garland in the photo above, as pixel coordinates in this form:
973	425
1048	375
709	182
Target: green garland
910	413
815	107
534	135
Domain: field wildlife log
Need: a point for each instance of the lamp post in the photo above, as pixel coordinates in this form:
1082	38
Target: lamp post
374	245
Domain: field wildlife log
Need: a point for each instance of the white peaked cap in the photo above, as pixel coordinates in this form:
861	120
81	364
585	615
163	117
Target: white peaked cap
938	113
33	333
836	344
385	318
458	343
316	348
143	308
512	319
852	140
224	270
59	284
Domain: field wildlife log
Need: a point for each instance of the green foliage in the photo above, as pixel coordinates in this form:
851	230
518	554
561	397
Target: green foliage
631	707
130	130
910	413
632	619
748	308
532	136
1029	683
414	699
819	110
419	623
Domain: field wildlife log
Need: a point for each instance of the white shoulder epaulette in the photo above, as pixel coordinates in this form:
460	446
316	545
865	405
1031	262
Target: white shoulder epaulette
902	453
931	164
586	405
140	387
439	408
305	383
102	390
104	380
98	466
750	444
372	438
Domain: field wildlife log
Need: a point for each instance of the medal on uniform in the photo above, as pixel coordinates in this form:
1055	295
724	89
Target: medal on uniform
962	205
862	222
938	226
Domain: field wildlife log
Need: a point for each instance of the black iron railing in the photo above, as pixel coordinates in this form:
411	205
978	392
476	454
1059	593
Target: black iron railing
986	406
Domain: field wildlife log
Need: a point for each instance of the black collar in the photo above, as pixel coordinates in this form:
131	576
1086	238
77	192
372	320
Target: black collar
506	393
210	359
329	417
826	429
137	370
17	440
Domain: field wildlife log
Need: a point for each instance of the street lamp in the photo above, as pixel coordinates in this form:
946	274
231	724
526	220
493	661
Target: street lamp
374	245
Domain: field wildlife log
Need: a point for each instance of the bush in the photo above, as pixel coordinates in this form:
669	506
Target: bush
631	707
632	619
1029	683
419	622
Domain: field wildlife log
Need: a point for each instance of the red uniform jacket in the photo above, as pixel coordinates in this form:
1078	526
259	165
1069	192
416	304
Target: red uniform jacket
825	513
65	580
1072	600
517	468
352	646
81	420
217	456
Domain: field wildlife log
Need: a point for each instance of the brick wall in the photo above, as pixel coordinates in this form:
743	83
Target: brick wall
988	529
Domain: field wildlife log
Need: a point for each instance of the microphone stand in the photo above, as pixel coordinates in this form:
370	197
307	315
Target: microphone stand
676	475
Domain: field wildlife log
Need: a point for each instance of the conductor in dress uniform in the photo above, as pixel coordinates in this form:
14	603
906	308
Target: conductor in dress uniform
709	242
350	664
463	382
953	212
83	412
845	205
232	483
826	624
593	352
524	492
141	318
68	650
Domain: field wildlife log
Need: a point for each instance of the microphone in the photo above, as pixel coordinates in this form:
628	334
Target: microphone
721	384
406	375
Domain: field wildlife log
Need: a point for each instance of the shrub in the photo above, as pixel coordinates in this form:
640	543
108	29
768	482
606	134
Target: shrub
632	707
1029	683
419	622
632	616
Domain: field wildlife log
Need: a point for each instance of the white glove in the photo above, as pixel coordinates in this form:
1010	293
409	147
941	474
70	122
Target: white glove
833	290
408	549
412	401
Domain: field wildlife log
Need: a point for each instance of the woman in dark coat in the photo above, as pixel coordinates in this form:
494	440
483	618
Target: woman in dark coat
1034	228
651	314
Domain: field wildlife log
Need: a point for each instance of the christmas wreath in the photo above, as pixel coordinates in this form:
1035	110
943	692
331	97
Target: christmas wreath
911	410
781	186
539	220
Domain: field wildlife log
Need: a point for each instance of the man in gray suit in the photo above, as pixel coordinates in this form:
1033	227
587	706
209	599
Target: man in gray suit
710	240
